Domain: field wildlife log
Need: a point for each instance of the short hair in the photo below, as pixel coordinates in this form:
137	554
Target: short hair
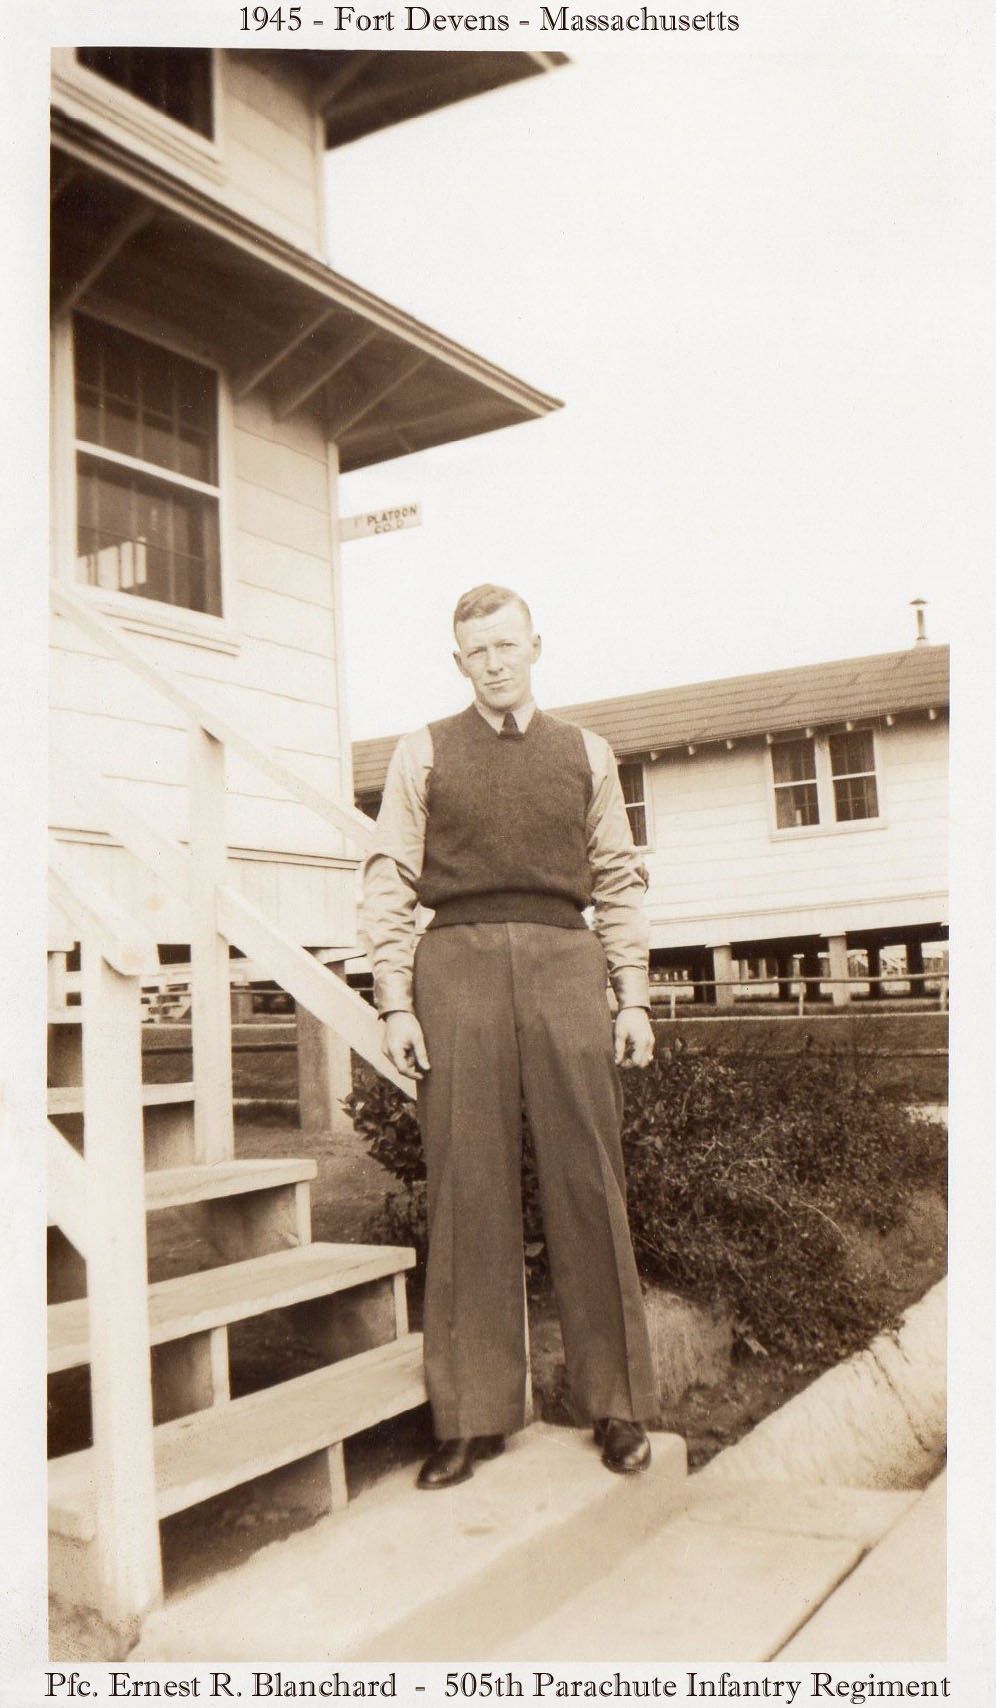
482	601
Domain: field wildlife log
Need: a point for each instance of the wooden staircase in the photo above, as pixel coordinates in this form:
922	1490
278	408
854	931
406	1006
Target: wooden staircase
125	1155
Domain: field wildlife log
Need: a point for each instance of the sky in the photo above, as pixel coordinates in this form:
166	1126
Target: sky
738	262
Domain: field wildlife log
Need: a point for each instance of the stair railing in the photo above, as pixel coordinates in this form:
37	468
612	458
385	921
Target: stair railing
219	914
99	1202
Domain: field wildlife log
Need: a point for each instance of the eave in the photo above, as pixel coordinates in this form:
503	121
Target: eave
128	233
360	92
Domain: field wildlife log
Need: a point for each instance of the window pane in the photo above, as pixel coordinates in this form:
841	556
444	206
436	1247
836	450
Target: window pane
855	797
136	534
145	402
638	824
631	778
176	81
796	804
852	753
794	761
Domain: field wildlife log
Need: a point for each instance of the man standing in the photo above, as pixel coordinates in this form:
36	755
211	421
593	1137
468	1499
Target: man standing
508	824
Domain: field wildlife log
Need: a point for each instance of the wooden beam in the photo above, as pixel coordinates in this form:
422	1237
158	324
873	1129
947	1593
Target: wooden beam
123	945
356	342
67	1190
210	981
127	1531
311	984
122	233
255	376
157	852
339	424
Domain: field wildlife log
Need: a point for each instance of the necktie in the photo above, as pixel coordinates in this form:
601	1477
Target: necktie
510	727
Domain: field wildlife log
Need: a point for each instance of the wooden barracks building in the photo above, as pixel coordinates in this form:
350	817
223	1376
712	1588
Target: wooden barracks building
211	379
788	818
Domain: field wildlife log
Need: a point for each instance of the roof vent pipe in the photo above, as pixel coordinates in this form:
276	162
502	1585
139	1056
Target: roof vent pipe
919	606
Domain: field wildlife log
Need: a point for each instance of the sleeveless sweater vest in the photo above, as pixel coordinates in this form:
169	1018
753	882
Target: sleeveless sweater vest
505	836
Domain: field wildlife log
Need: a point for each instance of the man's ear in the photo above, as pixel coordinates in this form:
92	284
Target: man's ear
537	646
458	661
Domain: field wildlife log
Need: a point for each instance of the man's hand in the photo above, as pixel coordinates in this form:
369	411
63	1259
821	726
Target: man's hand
634	1038
404	1044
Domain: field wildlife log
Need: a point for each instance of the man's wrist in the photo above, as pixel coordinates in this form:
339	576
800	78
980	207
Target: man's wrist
632	987
393	994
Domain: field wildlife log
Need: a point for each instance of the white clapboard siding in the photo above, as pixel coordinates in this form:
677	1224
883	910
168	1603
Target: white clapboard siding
271	89
268	144
275	516
287	622
716	855
281	468
282	569
301	431
314	903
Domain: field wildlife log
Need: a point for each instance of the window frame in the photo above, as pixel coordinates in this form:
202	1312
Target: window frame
76	85
136	613
829	824
643	802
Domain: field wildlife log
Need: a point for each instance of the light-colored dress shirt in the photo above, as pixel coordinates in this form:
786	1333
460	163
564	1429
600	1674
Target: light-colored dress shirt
389	912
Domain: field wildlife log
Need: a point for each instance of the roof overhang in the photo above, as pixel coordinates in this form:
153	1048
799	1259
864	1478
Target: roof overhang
361	92
126	233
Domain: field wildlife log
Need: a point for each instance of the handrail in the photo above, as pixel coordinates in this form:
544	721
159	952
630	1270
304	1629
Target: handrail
347	819
124	945
297	972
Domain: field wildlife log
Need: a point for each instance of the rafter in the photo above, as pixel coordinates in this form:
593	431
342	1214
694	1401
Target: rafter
255	376
339	424
112	245
356	342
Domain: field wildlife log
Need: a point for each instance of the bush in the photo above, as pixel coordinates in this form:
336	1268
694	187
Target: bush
746	1173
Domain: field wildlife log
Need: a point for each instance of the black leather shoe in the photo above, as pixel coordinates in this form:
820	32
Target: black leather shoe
453	1461
624	1445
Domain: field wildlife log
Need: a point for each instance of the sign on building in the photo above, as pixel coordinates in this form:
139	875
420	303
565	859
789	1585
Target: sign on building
380	521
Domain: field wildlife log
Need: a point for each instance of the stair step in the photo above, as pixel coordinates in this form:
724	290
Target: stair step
166	1188
193	1304
401	1575
68	1099
210	1451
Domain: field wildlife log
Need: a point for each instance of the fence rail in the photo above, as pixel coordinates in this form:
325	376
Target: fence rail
804	987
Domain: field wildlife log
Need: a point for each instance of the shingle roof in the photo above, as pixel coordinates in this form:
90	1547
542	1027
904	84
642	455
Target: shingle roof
775	701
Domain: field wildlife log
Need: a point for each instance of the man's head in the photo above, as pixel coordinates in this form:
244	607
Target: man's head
496	646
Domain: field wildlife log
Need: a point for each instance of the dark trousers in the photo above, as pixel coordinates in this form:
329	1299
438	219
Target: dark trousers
511	1012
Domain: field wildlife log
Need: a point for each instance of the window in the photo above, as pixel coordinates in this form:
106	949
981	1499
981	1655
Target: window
825	779
634	794
146	470
852	766
796	796
174	80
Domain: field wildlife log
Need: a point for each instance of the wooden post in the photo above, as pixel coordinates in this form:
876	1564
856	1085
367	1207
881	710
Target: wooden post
840	993
874	953
127	1532
210	1017
324	1073
914	966
722	972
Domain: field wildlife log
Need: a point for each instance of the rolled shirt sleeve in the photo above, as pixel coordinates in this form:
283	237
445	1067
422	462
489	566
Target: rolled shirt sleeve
619	880
391	872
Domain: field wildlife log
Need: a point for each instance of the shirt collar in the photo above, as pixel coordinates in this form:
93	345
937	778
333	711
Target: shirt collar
521	714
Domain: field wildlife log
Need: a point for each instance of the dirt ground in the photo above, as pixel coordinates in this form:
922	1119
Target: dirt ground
349	1188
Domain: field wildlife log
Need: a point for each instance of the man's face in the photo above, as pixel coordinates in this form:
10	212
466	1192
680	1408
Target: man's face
496	653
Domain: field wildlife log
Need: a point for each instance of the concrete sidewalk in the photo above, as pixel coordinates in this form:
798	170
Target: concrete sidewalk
543	1556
